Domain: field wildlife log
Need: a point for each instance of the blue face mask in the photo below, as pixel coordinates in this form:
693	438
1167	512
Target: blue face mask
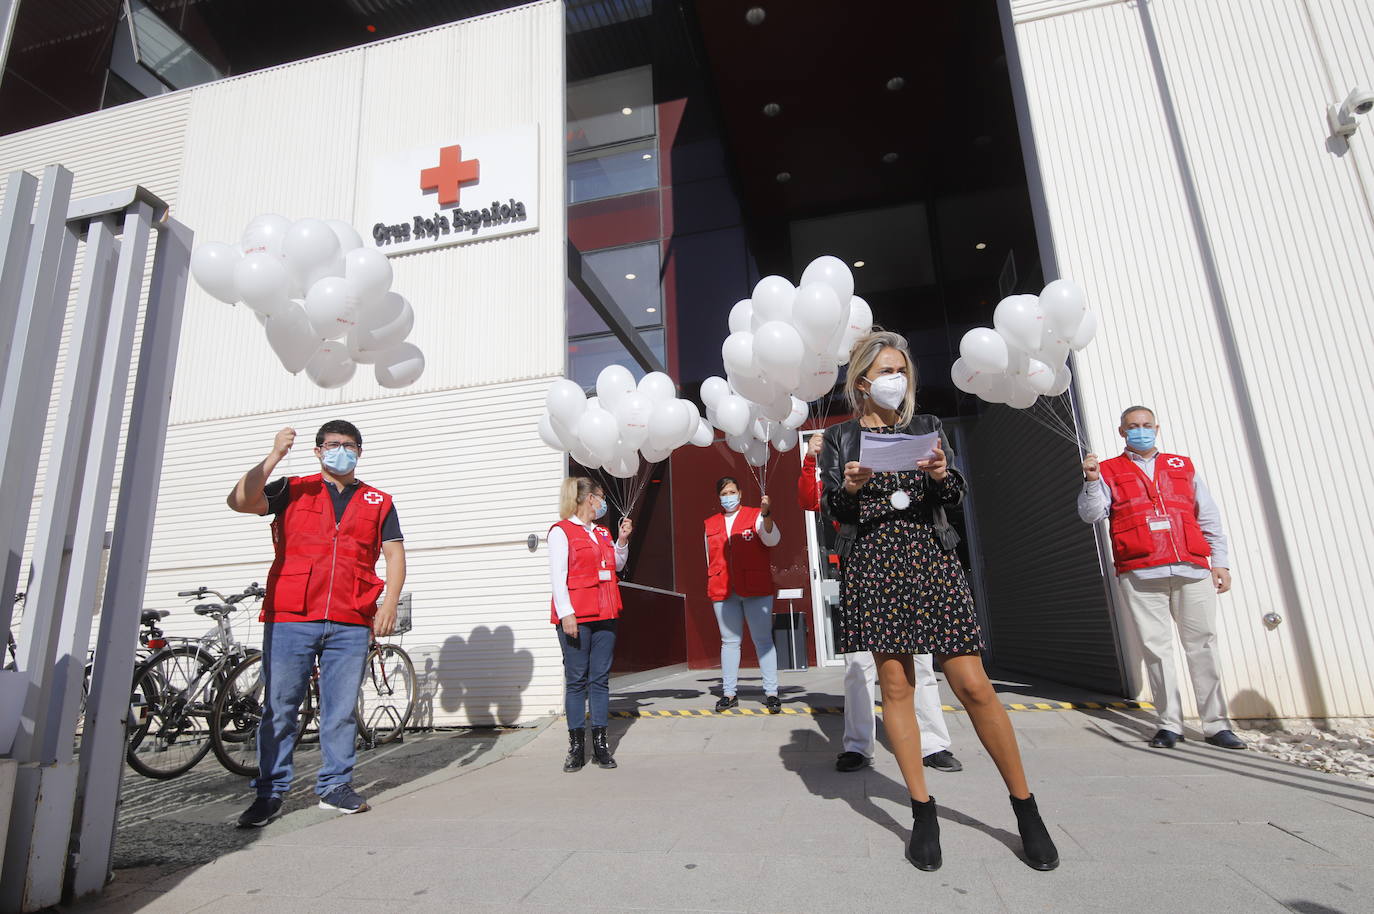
1140	439
729	503
340	461
600	510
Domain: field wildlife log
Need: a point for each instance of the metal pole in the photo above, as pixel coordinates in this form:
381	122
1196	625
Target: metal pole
108	704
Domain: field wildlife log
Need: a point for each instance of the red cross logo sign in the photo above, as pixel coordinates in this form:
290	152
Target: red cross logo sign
372	498
1176	462
449	176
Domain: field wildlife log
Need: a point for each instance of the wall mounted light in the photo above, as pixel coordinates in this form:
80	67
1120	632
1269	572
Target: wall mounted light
1341	118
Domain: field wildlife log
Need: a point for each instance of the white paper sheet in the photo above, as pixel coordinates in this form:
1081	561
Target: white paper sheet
888	453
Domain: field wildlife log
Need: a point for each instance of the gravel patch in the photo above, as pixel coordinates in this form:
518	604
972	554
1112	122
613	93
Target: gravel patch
1345	748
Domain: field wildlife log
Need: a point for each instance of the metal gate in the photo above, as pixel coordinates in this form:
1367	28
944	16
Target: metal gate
61	815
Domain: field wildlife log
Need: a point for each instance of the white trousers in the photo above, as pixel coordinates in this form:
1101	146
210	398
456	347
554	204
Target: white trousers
860	682
1192	605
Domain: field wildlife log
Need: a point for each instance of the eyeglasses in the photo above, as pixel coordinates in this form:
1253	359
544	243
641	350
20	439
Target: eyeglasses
335	445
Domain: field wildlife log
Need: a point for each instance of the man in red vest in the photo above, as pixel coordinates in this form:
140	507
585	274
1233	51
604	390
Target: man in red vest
1171	561
328	529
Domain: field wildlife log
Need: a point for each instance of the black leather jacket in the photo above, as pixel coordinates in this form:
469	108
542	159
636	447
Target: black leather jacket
842	444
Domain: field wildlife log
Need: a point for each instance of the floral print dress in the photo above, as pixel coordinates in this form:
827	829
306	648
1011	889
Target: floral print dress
902	593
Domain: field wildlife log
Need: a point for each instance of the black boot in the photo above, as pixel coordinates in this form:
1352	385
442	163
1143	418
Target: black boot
601	750
924	848
1035	837
577	751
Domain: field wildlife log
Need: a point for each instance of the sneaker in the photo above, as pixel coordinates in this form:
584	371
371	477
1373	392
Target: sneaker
727	702
773	704
851	761
261	812
344	799
943	760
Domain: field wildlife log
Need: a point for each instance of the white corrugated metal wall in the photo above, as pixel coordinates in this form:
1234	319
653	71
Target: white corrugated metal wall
1191	187
459	450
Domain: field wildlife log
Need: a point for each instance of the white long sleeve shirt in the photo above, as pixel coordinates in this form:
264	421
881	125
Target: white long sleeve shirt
768	539
1094	504
558	565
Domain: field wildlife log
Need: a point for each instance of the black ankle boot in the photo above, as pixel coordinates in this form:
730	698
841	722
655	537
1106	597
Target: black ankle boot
601	750
924	848
577	751
1035	837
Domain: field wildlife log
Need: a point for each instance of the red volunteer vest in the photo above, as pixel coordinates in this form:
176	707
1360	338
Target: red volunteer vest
325	570
1137	499
592	598
739	563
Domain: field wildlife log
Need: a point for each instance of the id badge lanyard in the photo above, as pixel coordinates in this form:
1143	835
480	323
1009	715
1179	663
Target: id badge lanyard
1159	521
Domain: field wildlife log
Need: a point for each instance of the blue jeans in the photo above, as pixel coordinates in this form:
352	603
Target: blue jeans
731	615
289	651
587	671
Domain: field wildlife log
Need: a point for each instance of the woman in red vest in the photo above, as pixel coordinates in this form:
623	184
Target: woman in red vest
739	582
583	562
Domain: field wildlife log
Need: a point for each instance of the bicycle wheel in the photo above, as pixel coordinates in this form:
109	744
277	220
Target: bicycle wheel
387	696
237	713
174	732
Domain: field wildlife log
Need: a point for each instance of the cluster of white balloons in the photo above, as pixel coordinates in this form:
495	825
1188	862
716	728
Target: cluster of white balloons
324	299
622	422
784	350
1024	354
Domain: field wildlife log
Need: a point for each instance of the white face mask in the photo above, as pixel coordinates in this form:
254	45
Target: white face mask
888	391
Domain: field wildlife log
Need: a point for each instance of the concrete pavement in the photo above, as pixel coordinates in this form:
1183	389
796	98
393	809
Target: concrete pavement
746	813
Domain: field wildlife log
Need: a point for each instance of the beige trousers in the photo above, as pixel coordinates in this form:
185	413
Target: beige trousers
1192	606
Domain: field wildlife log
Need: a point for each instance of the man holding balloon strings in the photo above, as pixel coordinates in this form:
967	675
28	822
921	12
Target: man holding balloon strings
1171	560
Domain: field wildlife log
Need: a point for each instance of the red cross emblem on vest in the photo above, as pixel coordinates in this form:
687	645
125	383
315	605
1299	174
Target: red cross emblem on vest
449	175
747	535
372	498
1176	462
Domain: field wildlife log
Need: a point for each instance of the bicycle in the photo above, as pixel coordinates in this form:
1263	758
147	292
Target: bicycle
175	691
386	701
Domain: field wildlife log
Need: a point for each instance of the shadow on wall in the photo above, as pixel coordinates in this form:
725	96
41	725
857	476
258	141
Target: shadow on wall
1247	704
483	676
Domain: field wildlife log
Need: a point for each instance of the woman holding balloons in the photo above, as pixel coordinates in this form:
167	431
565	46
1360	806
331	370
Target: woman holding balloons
740	585
583	562
904	591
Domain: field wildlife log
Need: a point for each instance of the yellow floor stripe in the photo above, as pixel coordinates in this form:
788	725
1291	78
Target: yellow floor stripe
949	709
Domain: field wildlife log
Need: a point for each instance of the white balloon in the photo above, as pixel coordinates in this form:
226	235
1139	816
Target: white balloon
818	376
1022	397
548	435
1054	347
984	350
262	283
599	434
738	443
1063	302
264	235
1019	320
831	272
1018	363
712	389
704	435
332	306
1039	376
778	347
623	466
632	415
370	270
780	407
583	457
732	414
658	387
859	324
797	417
994	387
784	440
330	366
349	239
665	425
761	429
741	316
1062	379
308	245
817	316
613	384
656	455
772	300
565	402
1087	330
358	354
963	376
384	323
737	352
594	402
755	390
213	265
399	366
757	455
291	337
691	417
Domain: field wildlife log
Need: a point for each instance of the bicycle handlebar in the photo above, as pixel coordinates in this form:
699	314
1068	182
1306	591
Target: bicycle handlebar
252	590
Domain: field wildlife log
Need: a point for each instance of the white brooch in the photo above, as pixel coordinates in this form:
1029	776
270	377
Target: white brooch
900	500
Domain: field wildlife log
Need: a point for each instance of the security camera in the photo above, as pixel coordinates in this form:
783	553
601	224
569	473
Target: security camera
1342	118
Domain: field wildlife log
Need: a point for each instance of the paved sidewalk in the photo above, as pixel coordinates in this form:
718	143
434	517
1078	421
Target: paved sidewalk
746	813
